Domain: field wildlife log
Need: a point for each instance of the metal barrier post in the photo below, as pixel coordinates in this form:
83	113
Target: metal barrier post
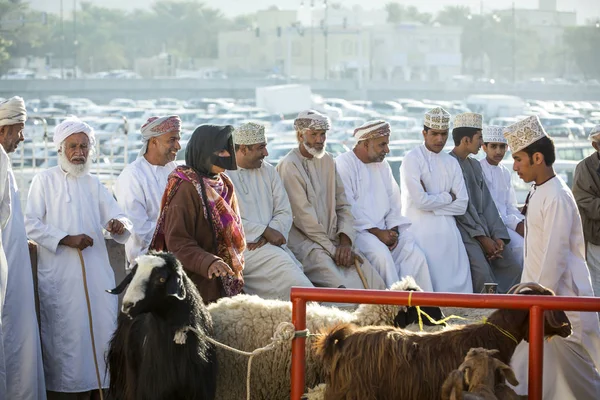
536	352
298	345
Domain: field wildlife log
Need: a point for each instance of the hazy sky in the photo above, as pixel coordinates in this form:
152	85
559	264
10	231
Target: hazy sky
585	9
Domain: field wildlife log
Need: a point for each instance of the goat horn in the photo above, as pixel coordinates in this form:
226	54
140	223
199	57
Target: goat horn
121	286
536	287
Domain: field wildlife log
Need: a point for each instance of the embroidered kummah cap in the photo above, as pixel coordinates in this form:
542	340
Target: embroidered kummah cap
437	118
249	133
595	133
493	134
372	130
311	119
523	133
468	120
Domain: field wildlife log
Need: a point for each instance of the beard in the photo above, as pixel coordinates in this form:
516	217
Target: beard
77	170
312	151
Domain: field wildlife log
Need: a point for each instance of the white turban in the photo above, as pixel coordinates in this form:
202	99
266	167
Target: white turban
595	133
12	111
157	126
71	126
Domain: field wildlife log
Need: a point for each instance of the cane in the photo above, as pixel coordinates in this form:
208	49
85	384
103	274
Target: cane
357	261
89	309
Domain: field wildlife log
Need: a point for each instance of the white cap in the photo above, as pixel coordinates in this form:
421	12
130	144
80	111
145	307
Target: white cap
523	133
249	133
437	118
493	134
468	120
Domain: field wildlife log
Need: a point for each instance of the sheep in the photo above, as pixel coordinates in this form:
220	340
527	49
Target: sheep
248	322
150	355
480	372
316	393
383	362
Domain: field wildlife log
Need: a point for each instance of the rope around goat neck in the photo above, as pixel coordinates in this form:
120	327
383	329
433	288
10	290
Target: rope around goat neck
284	332
484	320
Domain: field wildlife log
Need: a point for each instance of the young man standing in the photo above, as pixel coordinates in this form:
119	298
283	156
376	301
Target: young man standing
482	230
555	258
498	179
433	194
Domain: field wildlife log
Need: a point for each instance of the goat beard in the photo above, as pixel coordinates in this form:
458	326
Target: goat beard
77	170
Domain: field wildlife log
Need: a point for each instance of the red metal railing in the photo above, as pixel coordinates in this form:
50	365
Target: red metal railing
536	305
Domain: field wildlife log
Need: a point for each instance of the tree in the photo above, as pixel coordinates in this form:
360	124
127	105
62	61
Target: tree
454	16
582	43
397	13
394	12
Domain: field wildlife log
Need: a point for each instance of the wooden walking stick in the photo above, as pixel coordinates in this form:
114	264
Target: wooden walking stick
91	323
357	261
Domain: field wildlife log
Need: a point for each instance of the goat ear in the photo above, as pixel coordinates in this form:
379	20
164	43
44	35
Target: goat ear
126	281
467	375
401	319
506	372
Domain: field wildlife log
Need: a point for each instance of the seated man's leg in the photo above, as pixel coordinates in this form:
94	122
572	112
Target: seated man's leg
379	256
516	246
507	271
411	261
323	272
374	280
481	271
320	268
270	272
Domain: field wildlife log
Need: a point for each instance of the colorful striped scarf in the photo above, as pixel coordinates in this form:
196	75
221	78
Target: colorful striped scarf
221	210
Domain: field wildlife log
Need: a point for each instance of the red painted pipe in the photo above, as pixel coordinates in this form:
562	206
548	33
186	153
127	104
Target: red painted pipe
536	352
536	304
298	343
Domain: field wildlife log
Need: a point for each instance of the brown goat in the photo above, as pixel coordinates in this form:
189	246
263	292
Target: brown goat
387	363
479	372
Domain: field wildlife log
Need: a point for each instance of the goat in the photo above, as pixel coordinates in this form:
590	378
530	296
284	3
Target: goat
248	322
150	356
479	372
377	362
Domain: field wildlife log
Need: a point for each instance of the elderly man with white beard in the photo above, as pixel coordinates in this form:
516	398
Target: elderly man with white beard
67	210
23	355
322	236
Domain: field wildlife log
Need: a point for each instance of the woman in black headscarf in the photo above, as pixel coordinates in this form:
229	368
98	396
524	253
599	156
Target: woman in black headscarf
199	220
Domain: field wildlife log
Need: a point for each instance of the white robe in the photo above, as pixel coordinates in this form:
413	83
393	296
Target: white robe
555	258
498	179
5	209
139	191
432	212
59	205
375	199
22	350
270	271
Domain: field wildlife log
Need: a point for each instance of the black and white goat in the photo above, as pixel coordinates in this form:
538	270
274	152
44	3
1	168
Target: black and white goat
150	355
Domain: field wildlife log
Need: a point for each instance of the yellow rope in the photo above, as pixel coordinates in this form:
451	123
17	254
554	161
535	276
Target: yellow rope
484	320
